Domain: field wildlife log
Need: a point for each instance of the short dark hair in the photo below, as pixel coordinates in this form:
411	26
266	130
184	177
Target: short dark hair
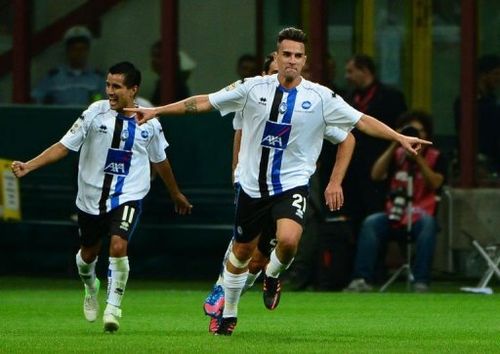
267	62
129	71
363	61
292	34
416	115
488	63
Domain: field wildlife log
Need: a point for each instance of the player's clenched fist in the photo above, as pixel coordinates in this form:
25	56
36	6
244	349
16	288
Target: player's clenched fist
19	168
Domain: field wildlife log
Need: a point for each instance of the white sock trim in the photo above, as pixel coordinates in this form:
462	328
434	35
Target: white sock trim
275	267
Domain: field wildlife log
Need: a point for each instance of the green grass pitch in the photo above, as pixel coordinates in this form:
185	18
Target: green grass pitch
45	316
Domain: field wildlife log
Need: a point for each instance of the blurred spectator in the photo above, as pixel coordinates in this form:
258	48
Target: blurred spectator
306	71
247	66
428	172
186	67
331	73
73	83
370	96
488	112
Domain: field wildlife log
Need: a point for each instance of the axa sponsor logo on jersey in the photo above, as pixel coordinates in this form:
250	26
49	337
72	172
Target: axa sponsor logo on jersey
276	135
118	162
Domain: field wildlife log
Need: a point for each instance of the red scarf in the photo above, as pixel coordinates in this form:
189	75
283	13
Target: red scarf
362	99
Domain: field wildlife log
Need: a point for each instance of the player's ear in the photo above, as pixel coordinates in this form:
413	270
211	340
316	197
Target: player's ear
135	88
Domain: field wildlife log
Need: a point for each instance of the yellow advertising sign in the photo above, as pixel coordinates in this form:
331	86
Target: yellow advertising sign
10	199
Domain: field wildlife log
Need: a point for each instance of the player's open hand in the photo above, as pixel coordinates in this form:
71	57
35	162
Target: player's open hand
182	204
412	144
19	168
334	196
142	114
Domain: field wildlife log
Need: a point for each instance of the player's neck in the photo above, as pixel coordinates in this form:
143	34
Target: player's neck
127	113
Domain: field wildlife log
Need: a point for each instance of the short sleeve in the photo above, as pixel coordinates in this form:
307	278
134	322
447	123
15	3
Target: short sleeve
76	135
229	99
158	144
338	113
335	135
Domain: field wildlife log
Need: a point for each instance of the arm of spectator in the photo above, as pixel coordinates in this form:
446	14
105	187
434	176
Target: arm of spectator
433	179
380	168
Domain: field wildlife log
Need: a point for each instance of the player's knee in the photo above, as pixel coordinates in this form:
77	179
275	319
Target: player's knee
88	255
118	247
288	245
238	261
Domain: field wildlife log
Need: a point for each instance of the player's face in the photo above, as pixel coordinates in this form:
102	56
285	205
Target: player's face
119	95
290	59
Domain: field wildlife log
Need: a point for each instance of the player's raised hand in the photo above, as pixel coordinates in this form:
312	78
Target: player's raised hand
412	144
19	168
182	204
143	114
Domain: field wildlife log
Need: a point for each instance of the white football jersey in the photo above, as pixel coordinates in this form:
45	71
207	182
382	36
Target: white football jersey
332	134
114	159
282	129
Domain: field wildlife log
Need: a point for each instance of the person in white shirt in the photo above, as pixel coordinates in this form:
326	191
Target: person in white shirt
284	121
214	302
113	178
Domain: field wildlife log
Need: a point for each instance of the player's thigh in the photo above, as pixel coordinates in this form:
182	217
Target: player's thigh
251	216
123	220
91	229
289	211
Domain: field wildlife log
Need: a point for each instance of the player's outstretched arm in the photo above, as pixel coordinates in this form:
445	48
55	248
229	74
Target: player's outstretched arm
376	128
50	155
182	204
334	195
191	105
